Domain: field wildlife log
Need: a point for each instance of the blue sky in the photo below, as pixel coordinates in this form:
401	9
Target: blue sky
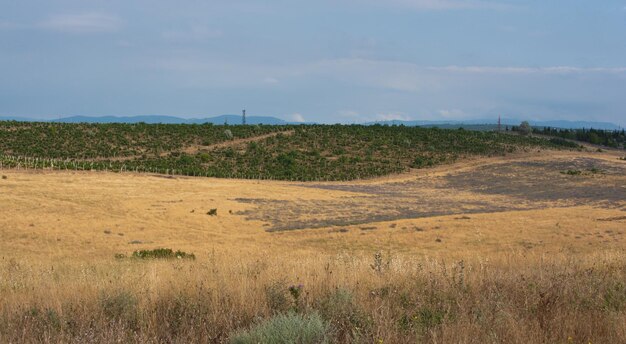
326	60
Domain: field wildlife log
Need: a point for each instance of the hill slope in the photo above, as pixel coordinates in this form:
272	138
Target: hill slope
315	152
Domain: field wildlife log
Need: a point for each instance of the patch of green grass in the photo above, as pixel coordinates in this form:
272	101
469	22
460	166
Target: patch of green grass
564	143
162	253
290	328
572	172
595	170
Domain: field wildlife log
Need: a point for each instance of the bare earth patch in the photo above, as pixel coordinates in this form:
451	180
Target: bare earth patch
493	187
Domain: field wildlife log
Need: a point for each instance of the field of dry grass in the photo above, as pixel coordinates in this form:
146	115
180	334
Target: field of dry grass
492	250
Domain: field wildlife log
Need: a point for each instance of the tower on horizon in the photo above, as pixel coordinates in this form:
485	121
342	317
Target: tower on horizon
499	124
243	117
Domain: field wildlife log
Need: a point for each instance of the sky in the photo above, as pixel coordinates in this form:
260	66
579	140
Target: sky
326	61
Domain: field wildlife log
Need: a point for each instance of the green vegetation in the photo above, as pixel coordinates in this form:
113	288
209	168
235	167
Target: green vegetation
565	143
101	141
311	152
286	328
591	171
609	138
525	128
162	253
562	299
572	172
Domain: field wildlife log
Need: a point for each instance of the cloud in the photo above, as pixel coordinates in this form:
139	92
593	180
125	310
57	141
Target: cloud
296	117
528	70
451	114
6	25
124	43
439	5
348	114
392	77
393	116
270	80
194	33
90	22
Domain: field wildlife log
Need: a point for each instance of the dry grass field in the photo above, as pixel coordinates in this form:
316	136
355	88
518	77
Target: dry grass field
529	248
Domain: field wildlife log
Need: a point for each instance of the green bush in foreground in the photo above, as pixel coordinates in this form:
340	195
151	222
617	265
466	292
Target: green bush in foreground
162	253
287	328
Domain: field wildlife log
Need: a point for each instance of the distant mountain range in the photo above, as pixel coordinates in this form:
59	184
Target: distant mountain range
230	119
505	122
236	119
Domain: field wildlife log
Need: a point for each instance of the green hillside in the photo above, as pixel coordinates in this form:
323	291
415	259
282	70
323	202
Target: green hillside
311	152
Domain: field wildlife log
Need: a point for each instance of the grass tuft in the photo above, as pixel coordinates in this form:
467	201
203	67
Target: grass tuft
162	253
290	328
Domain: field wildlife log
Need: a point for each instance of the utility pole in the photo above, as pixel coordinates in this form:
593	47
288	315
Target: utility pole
243	117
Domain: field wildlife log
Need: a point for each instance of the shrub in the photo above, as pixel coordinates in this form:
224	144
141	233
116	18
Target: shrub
119	306
228	134
423	320
286	328
422	161
162	253
212	212
572	172
525	128
564	143
348	321
276	296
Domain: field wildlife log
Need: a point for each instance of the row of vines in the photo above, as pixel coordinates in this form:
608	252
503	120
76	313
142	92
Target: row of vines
303	153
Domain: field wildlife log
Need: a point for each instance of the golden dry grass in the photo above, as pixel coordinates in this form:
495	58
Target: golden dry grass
548	274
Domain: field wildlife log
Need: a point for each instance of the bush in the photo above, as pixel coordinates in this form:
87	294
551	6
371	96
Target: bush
276	296
348	321
162	253
228	134
286	328
525	128
557	141
119	306
572	172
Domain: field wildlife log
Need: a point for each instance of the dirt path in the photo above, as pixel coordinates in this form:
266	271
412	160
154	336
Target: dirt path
194	149
232	143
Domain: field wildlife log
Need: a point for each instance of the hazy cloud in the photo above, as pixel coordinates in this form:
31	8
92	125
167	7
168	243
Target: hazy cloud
451	114
332	60
528	70
90	22
194	33
6	25
270	80
391	116
296	117
444	4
